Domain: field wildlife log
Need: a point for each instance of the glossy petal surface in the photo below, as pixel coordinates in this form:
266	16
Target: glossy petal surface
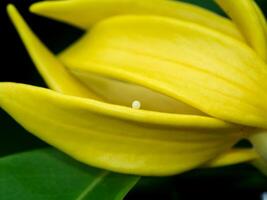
96	87
85	13
250	20
116	137
55	74
170	57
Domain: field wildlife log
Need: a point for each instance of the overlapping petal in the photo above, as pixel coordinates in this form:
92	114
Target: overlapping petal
58	78
182	63
116	137
55	74
203	68
85	13
123	93
252	23
250	20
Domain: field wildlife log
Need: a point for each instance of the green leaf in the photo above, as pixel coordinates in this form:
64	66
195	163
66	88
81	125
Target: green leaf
47	174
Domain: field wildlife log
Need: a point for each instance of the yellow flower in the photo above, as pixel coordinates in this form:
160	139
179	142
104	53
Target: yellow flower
153	87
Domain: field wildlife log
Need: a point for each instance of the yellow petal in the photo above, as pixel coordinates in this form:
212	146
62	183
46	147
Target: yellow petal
233	156
259	141
250	20
123	93
85	13
203	68
115	137
54	73
59	79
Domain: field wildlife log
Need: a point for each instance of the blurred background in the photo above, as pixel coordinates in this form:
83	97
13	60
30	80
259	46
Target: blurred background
235	182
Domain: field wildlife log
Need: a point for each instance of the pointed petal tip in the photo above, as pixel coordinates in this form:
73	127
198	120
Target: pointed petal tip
37	7
44	7
11	10
32	8
14	15
234	156
10	7
54	73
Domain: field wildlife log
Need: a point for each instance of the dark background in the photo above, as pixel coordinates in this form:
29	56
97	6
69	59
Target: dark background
235	182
